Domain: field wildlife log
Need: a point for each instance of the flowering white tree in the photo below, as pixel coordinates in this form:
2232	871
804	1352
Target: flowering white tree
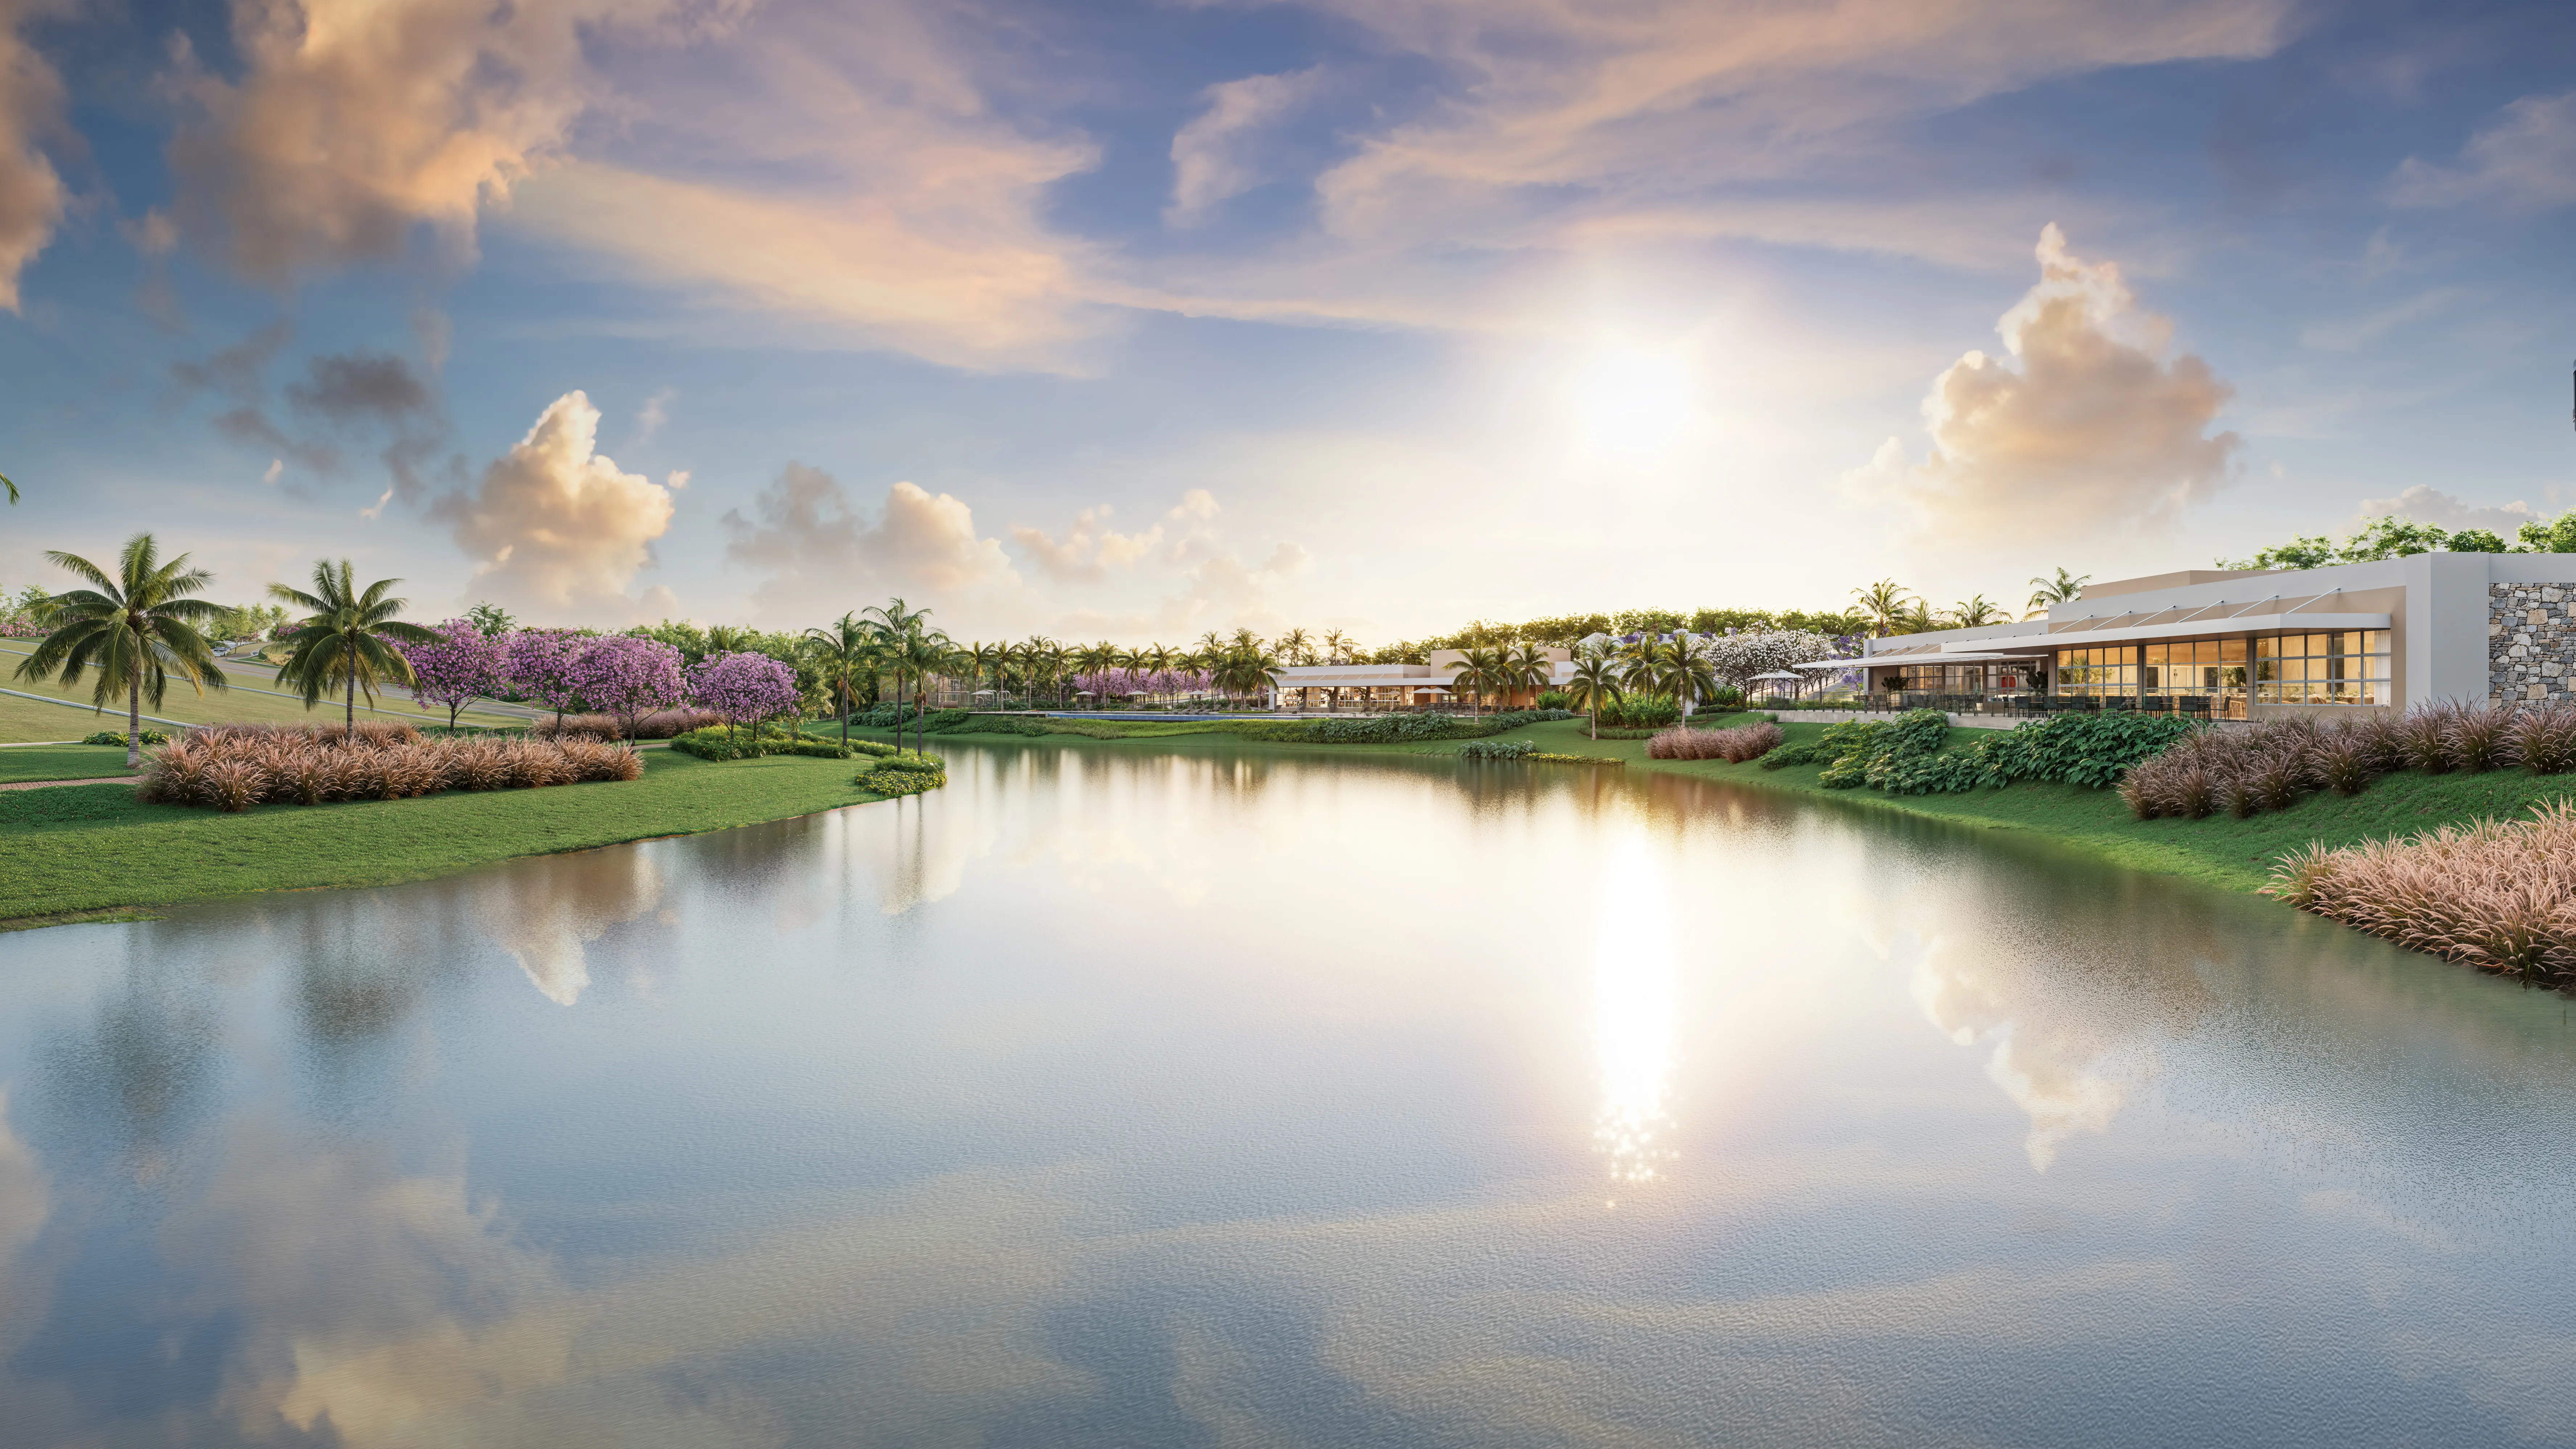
1738	658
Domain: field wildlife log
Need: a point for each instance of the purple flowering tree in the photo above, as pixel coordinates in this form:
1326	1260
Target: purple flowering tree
744	688
459	666
628	677
545	665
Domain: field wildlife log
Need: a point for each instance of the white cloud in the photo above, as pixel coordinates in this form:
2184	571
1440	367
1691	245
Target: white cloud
2354	333
1089	549
1657	98
2428	504
655	413
822	553
31	104
2525	162
1212	156
357	120
555	526
2093	431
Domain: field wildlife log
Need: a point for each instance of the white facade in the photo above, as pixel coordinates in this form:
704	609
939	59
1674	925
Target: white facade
2385	634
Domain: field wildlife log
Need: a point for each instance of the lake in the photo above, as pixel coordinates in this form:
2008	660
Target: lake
1141	1097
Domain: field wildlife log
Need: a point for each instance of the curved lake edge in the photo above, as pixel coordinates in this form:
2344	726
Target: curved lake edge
84	854
2234	856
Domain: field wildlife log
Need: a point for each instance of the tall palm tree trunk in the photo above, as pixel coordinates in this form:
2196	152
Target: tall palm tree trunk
353	704
133	723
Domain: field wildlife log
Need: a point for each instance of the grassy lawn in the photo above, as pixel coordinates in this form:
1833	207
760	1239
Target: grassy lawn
251	700
61	762
2233	854
82	850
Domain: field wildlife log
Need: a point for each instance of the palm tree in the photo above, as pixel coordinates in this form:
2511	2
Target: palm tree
1680	670
1195	661
1974	612
1530	668
846	650
1595	682
1884	603
1052	657
135	629
924	652
12	487
1250	671
1095	659
980	658
2066	588
892	623
348	638
1475	670
1916	619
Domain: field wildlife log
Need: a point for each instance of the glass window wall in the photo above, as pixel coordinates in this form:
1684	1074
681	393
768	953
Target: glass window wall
2102	671
2348	666
2214	668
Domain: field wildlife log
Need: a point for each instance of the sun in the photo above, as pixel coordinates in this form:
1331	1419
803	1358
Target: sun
1637	403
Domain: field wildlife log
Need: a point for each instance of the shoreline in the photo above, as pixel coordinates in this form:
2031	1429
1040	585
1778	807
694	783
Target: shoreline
89	851
2233	855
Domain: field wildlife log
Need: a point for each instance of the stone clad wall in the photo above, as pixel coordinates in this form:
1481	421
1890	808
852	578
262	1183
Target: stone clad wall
2531	642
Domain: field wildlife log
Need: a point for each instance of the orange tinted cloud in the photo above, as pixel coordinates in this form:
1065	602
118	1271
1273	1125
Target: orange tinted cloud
819	550
31	103
2092	430
355	121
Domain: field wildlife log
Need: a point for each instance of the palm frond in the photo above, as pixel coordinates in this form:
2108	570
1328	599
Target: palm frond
74	563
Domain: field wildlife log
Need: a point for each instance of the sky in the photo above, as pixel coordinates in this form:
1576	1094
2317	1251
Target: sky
1121	320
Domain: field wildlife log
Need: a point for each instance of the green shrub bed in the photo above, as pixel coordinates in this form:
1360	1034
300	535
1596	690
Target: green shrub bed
718	743
1392	729
1906	756
904	774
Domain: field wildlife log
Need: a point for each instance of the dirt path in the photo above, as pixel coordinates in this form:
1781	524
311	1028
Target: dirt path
97	780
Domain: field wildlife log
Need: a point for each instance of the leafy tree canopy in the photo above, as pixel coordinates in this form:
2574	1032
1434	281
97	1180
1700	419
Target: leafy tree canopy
2389	536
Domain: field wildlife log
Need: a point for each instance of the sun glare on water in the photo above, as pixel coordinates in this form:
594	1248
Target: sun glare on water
1632	1014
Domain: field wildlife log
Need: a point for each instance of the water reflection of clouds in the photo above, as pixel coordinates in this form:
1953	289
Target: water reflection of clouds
546	911
26	1200
2075	1010
366	1288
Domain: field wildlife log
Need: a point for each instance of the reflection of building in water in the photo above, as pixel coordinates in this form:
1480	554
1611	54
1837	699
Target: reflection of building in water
543	912
1632	1013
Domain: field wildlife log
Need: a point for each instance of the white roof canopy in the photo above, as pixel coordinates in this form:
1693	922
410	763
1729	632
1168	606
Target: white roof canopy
2184	629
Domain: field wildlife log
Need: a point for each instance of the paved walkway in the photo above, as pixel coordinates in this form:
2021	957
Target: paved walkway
99	780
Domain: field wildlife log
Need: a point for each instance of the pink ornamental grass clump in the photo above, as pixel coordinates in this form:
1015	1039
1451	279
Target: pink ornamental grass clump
1735	746
2498	895
234	767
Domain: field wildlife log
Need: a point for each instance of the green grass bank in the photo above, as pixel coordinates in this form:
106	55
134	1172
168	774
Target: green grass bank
2233	854
92	851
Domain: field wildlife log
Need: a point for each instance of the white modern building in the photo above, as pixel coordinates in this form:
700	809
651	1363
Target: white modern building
1398	686
2239	644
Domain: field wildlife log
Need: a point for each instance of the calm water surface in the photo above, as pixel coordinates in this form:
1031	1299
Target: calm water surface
1114	1098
